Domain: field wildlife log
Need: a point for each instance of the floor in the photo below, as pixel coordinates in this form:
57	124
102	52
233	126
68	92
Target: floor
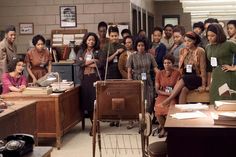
115	141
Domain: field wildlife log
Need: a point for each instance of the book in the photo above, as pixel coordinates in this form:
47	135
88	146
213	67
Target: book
227	116
224	122
37	91
225	105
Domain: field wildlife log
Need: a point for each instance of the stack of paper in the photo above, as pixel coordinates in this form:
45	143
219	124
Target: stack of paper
37	91
224	118
191	107
63	85
188	115
225	105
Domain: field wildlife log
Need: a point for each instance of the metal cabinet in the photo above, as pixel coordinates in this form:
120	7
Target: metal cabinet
67	71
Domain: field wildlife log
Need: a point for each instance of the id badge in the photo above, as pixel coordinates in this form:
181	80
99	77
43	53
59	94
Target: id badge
115	60
143	76
88	57
189	68
168	89
213	61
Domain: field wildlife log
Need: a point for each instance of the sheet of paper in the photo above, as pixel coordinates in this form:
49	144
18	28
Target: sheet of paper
191	107
188	115
67	38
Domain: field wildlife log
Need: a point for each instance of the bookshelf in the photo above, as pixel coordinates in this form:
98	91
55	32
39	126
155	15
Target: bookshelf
60	39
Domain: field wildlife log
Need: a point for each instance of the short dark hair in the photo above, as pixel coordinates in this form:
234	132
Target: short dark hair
194	36
169	57
127	37
113	29
84	44
36	38
218	30
199	25
157	28
12	65
179	29
10	28
125	31
211	20
233	22
168	25
143	40
102	24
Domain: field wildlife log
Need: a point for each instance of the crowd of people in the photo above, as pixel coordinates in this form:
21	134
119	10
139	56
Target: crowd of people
174	62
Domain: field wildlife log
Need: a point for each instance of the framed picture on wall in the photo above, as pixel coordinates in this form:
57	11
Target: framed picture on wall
68	16
170	19
26	28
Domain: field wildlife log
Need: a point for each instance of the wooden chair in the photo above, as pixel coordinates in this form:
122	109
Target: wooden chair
119	100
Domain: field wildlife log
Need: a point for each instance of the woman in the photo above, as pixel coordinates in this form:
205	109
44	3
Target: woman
192	66
220	52
178	35
164	83
38	60
128	42
7	48
139	65
90	60
14	81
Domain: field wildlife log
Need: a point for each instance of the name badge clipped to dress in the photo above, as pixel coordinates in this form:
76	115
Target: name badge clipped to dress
143	76
115	60
189	68
213	61
88	57
168	89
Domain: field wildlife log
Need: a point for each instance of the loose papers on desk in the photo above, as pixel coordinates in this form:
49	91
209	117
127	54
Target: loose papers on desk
188	115
224	118
191	107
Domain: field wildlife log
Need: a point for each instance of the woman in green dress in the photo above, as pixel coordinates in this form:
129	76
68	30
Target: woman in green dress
220	52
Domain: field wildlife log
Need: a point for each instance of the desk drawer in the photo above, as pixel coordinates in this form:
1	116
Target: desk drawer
65	71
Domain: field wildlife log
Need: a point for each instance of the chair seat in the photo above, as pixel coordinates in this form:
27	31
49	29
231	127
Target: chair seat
157	149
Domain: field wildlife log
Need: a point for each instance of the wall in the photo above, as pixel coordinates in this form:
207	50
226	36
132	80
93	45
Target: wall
45	15
172	8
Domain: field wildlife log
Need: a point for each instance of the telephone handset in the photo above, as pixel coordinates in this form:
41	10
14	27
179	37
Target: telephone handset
16	145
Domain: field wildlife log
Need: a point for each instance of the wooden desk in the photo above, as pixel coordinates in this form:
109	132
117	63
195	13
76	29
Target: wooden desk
18	118
199	137
56	114
40	152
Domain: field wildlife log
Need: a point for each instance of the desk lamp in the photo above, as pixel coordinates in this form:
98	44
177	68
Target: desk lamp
224	90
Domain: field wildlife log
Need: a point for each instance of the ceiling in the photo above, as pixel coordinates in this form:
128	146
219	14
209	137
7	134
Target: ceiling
202	9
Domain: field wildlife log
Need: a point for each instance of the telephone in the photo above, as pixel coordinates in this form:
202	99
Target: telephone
16	145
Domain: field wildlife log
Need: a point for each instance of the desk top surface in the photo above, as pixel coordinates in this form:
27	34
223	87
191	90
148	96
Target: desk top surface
206	122
40	152
17	106
19	94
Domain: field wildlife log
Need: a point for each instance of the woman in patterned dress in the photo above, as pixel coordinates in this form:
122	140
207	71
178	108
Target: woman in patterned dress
139	65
